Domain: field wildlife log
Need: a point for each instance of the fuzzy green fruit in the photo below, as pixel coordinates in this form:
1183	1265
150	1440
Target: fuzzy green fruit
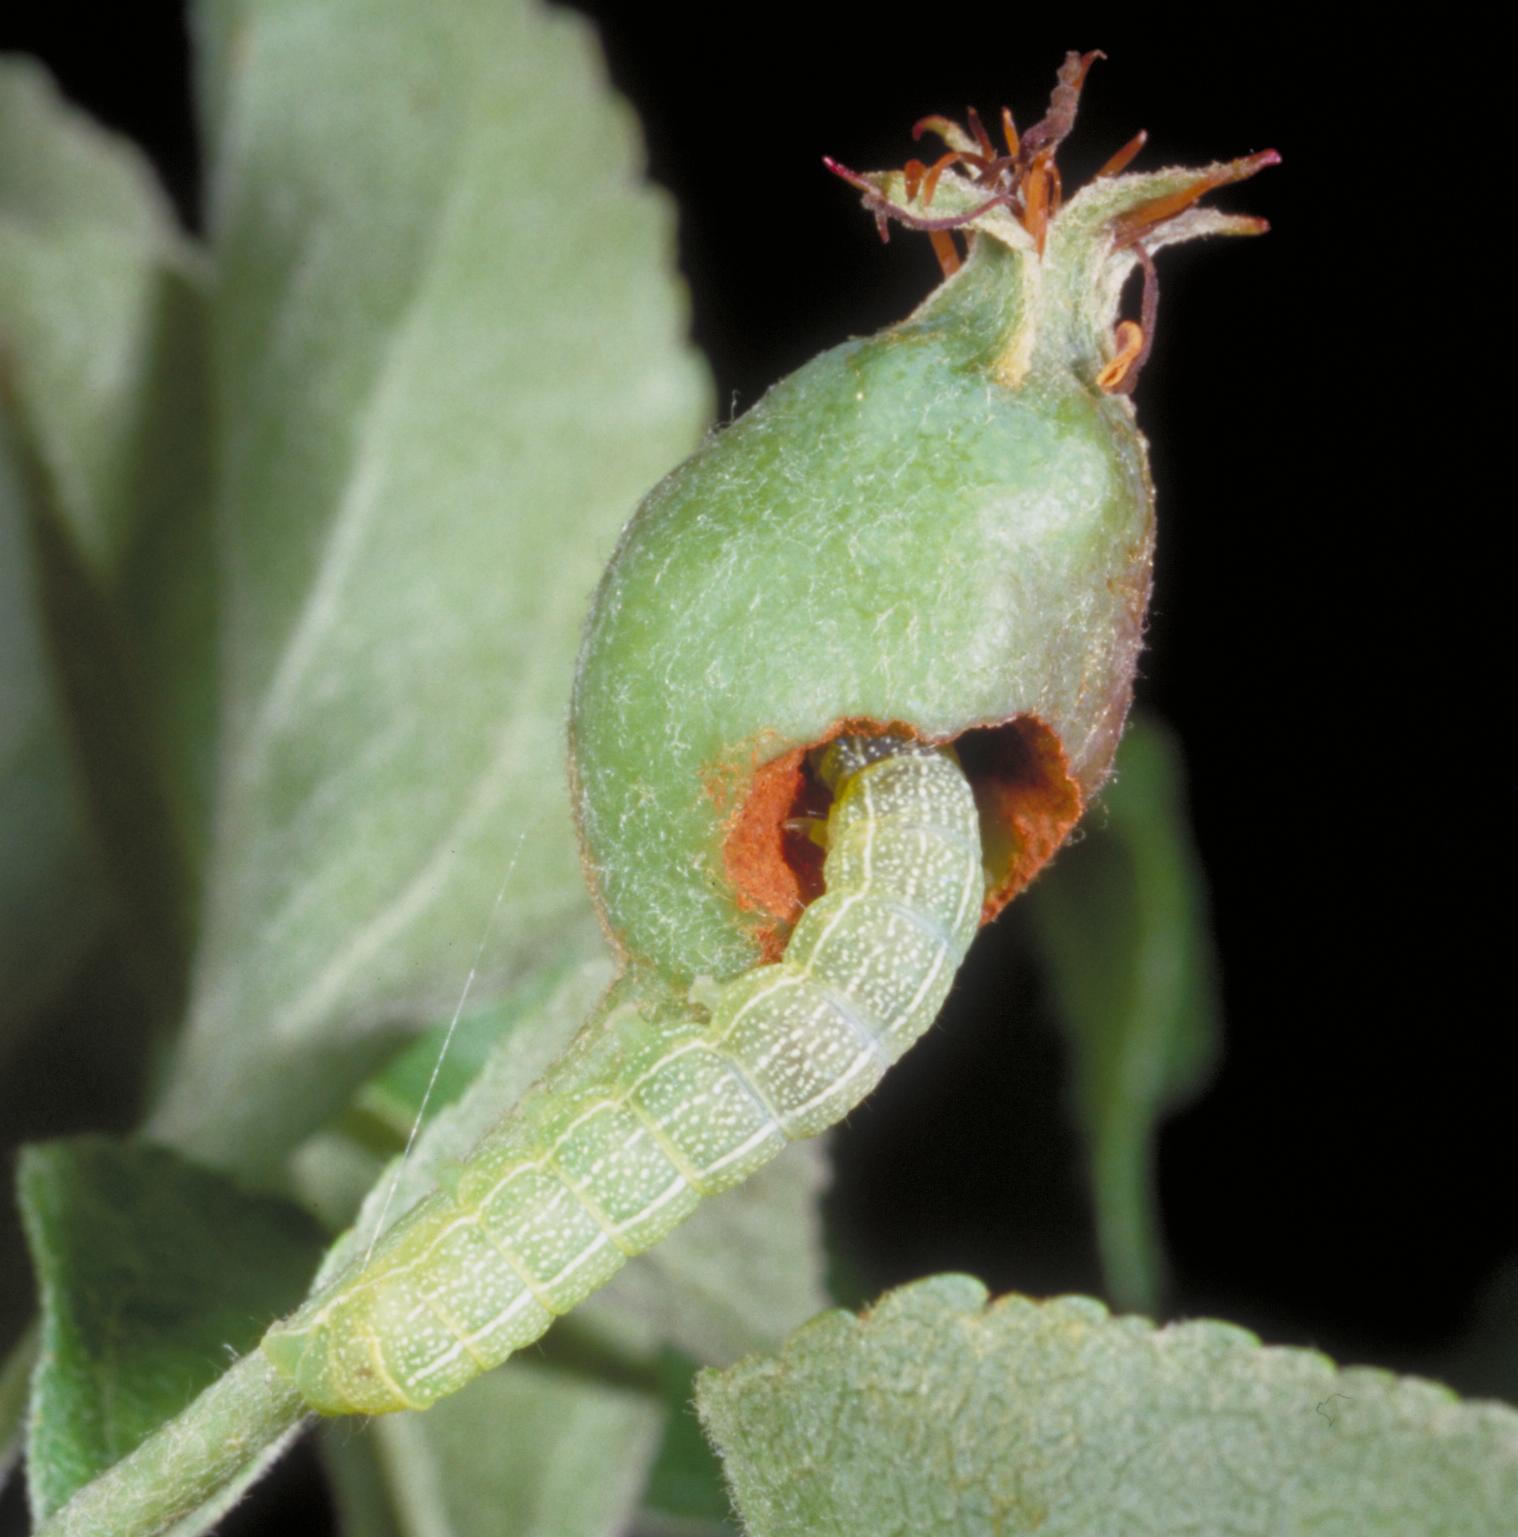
945	529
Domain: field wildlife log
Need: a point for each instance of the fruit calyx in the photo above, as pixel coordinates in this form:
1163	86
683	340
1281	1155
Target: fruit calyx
1073	257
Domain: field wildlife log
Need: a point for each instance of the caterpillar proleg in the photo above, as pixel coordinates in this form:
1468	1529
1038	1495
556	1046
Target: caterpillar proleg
586	1172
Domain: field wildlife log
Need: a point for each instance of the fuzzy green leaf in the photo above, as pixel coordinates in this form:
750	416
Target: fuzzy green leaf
936	1414
449	356
51	902
498	1050
521	1452
685	1496
1122	919
59	170
356	1482
514	1036
104	541
87	243
154	1274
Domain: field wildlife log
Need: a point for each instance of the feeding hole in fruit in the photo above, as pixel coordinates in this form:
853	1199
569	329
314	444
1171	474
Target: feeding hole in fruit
773	849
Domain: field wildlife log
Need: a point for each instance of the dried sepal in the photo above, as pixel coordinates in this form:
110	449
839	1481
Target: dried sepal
1014	194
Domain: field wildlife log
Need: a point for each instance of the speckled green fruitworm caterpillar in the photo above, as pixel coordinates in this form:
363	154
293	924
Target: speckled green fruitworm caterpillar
534	1223
937	535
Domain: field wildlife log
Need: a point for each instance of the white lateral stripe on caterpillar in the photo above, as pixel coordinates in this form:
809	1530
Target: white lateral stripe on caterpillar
550	1204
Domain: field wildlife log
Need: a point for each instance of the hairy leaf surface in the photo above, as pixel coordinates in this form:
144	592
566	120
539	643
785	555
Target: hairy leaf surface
154	1275
523	1452
447	359
935	1413
107	598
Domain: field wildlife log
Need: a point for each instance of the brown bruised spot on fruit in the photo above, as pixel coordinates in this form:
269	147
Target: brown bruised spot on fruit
1026	794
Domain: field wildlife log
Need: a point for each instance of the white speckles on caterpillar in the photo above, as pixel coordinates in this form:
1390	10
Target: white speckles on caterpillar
548	1207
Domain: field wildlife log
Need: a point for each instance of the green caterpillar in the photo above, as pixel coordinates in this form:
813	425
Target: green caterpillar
549	1206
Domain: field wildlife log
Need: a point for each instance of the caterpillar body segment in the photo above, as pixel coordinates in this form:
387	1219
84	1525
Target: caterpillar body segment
608	1154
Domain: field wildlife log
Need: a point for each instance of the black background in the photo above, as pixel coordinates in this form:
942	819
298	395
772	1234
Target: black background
1328	632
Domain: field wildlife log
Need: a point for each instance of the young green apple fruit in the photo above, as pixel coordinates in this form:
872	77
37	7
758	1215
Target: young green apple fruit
942	531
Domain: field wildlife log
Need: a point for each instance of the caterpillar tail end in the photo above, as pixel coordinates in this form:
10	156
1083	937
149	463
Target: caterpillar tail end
287	1347
338	1366
296	1350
